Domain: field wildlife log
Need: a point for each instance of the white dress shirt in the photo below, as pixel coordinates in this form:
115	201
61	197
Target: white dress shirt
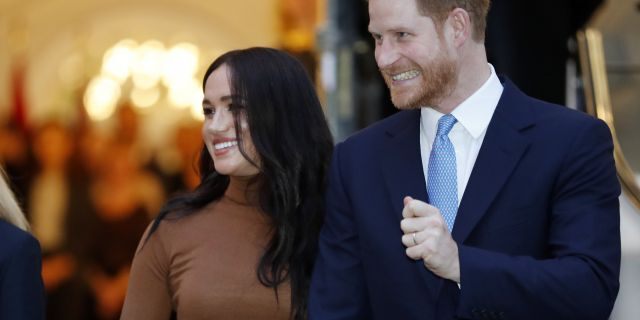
473	115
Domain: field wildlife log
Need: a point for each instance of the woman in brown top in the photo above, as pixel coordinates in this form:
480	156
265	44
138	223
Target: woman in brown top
242	245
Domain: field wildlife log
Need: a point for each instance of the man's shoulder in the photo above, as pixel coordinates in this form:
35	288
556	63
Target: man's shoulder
543	111
527	109
387	126
555	115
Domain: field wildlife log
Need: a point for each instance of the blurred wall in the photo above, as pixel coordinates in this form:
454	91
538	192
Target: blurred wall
60	42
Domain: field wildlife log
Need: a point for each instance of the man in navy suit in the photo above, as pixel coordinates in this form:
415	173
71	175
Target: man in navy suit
535	229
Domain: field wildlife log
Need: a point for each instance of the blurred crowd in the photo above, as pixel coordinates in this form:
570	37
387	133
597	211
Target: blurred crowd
89	197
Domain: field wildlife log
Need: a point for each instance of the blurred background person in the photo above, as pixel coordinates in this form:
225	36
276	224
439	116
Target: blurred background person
15	156
58	206
182	174
120	212
89	206
21	288
242	245
137	170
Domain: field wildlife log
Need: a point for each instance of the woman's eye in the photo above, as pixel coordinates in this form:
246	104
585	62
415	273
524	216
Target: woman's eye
208	112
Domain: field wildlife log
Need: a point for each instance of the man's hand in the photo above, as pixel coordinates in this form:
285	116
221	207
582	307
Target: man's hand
426	237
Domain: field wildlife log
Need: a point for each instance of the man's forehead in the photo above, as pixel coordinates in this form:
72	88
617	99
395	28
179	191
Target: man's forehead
389	16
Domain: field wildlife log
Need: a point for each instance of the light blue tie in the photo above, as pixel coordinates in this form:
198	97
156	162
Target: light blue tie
442	185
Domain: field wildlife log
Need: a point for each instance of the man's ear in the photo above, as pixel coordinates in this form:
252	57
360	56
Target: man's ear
460	24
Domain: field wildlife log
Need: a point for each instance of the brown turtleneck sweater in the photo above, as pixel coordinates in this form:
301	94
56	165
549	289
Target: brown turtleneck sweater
204	265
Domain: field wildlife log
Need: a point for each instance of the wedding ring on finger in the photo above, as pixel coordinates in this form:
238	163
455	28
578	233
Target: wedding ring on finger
415	242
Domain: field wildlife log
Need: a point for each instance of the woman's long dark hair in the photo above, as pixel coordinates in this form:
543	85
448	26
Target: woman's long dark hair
294	144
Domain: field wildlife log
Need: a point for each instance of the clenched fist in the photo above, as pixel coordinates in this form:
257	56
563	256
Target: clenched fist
426	237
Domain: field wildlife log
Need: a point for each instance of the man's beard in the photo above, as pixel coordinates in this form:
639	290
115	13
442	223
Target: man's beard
438	80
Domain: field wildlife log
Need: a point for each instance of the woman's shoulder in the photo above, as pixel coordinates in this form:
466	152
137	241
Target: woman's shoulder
176	226
167	237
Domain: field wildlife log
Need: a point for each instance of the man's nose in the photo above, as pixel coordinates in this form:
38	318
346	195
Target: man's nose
386	54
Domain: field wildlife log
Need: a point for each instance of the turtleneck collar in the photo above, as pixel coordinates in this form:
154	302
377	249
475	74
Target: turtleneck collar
243	191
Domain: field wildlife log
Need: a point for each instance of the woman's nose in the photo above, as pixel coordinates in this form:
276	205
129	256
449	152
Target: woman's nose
221	121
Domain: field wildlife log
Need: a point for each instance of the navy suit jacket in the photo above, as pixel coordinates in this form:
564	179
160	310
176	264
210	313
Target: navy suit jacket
21	289
537	227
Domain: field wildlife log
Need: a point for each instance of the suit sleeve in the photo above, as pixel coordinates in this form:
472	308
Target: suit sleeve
148	293
338	289
22	291
579	280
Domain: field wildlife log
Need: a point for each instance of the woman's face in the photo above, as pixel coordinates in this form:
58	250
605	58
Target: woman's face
218	130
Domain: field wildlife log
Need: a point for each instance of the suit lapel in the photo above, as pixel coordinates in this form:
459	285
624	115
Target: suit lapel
504	144
402	170
401	162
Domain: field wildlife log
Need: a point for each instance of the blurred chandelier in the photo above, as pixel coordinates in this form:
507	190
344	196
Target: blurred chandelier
154	71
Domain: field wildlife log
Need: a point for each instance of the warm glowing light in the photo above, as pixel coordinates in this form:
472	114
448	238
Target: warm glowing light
146	64
71	70
181	62
145	98
101	97
118	60
196	106
181	94
147	69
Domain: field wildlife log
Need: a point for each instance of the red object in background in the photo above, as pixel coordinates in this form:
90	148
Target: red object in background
18	96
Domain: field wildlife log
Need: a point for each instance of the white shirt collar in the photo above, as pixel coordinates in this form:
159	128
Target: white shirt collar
474	113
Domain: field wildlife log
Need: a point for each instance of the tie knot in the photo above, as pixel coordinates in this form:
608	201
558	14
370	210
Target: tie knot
445	124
